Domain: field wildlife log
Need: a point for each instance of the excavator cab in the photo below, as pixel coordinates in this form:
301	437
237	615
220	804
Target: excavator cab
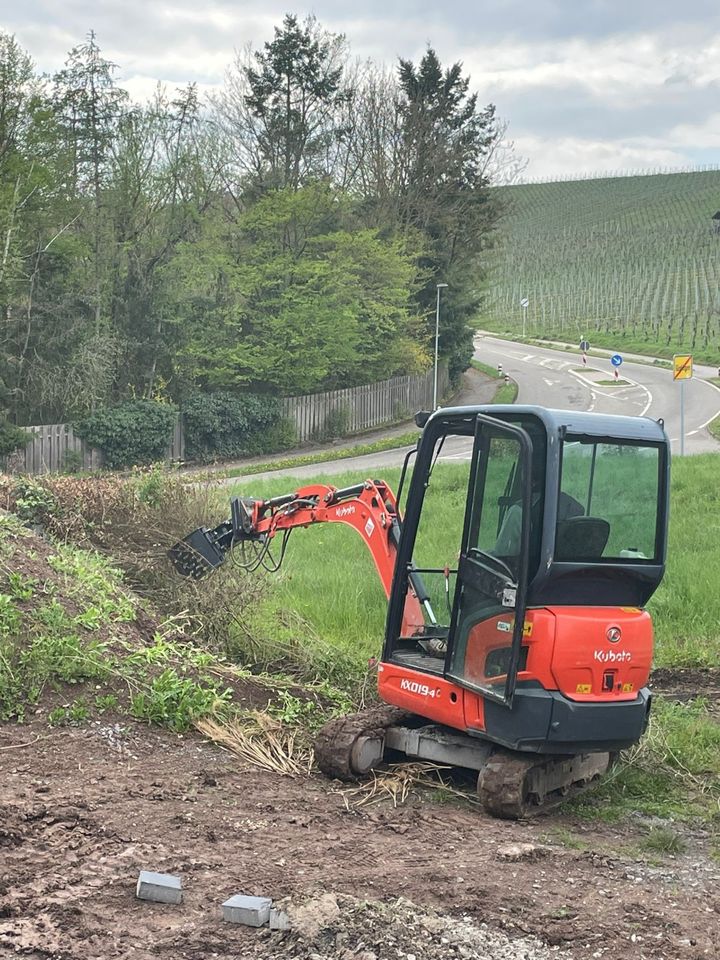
559	544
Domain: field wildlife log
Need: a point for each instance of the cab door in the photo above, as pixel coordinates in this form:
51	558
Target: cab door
489	606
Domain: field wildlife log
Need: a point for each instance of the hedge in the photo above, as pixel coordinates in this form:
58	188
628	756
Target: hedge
220	426
136	432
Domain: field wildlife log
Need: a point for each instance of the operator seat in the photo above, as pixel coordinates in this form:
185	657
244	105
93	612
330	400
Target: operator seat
581	538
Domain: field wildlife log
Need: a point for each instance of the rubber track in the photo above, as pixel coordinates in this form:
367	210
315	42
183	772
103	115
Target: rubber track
334	741
502	786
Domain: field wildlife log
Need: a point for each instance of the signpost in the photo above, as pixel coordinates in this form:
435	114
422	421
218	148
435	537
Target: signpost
616	360
584	346
682	371
524	303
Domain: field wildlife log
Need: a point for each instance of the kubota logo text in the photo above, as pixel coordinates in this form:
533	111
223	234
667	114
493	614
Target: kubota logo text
612	656
344	511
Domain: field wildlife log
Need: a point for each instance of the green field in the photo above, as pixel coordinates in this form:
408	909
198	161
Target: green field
627	261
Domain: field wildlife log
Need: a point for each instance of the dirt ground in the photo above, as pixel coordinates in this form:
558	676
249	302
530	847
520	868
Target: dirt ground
83	810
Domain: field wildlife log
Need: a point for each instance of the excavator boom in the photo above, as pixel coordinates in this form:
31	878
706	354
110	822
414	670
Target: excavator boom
368	507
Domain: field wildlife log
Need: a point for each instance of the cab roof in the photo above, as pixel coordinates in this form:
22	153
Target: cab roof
638	429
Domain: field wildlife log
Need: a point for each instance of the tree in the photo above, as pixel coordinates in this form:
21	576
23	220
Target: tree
34	219
445	192
163	180
90	105
293	301
280	107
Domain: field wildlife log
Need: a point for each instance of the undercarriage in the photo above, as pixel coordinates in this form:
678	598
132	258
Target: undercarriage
510	784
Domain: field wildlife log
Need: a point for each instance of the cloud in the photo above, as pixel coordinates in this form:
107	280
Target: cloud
585	84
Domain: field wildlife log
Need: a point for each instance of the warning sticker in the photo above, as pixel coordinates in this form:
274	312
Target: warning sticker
583	688
369	527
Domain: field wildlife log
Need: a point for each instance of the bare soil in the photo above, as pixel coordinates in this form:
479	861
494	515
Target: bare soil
83	810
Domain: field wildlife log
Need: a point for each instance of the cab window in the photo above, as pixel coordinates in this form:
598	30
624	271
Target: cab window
608	504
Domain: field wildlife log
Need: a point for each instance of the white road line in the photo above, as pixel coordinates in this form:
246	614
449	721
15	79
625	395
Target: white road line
530	356
549	382
710	420
617	396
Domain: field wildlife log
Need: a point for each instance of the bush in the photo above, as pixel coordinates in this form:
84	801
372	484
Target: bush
134	433
220	426
11	438
34	503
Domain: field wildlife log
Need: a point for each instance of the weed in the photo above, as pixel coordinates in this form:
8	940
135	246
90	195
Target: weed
567	838
76	712
72	461
177	701
107	701
34	503
663	840
20	586
293	711
149	486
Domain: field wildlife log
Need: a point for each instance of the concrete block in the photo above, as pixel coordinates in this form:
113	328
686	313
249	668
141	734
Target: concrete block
159	887
252	911
279	920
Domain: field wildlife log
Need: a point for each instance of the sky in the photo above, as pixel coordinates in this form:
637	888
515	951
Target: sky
586	86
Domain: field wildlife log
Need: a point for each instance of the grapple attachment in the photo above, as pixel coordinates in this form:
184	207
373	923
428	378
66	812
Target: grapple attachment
201	551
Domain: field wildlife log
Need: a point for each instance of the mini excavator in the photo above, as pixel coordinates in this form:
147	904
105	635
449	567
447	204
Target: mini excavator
516	642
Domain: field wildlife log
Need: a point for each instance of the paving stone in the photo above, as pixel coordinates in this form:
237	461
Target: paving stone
252	911
159	887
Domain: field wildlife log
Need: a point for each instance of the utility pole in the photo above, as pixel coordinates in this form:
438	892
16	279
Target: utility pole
437	338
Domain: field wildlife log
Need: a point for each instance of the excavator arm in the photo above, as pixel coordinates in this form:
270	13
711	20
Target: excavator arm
369	508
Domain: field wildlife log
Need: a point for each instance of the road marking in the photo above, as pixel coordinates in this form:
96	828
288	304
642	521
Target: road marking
703	425
530	356
617	396
550	383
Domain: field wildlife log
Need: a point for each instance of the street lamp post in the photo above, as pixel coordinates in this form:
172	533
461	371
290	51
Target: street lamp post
437	337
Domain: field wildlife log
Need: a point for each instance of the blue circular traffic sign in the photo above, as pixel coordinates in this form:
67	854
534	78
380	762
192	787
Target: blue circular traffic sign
616	359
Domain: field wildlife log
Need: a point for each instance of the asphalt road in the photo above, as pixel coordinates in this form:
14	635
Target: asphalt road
553	378
557	379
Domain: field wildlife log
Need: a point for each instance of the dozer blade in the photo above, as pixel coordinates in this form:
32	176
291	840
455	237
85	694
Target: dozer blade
514	787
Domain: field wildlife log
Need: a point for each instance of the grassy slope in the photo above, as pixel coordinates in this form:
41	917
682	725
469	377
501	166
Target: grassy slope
627	260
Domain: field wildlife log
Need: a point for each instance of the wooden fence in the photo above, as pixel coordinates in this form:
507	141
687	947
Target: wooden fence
53	447
341	412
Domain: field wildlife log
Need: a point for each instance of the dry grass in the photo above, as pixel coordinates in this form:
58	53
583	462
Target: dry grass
397	782
261	742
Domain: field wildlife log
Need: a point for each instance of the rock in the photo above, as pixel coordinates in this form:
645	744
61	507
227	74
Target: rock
514	852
